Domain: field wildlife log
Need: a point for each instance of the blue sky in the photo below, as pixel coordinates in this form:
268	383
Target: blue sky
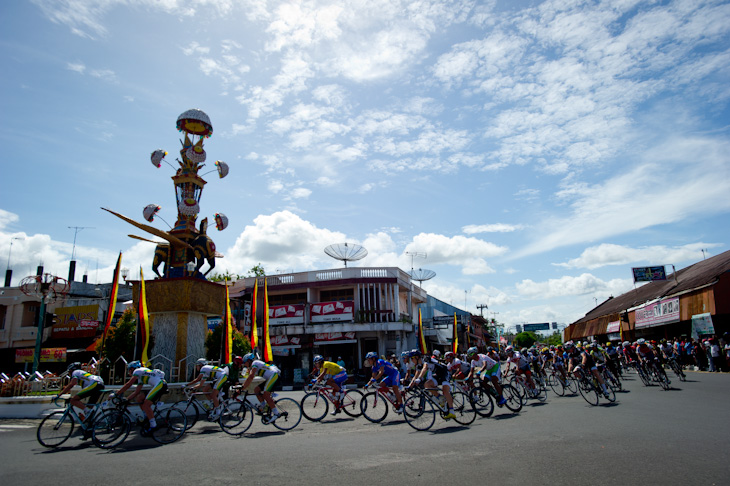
534	151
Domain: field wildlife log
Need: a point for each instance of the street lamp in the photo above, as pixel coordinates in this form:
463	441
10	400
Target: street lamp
125	274
191	267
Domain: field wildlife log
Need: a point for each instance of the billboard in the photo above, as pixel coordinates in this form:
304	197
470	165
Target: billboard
75	322
658	313
649	274
48	355
286	314
332	311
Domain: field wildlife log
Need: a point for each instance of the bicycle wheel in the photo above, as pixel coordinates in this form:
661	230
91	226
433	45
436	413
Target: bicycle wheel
520	389
374	407
314	406
236	417
540	392
111	429
419	412
482	400
610	394
588	392
191	411
290	414
463	408
645	379
351	403
55	429
171	425
514	402
571	385
664	380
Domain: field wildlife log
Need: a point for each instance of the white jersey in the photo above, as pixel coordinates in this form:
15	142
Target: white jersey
85	379
211	372
149	377
481	360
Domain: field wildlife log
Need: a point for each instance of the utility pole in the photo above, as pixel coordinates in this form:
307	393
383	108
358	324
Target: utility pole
481	308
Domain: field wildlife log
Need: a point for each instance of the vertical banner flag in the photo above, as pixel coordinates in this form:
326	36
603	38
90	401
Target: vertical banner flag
421	336
144	321
254	331
455	338
227	331
268	356
113	296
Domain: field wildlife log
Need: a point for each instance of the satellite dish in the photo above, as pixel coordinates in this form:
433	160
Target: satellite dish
421	275
346	252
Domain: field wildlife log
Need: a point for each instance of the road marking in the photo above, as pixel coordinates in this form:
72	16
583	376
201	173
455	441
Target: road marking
9	427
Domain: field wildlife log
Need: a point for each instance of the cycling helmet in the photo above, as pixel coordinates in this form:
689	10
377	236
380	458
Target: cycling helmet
545	350
489	349
238	361
641	341
509	349
472	351
201	362
405	354
415	353
593	345
523	350
133	365
371	355
249	357
318	358
579	345
73	367
609	344
449	355
436	353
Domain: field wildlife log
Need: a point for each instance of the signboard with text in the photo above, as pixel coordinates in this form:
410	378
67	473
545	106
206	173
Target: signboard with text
75	322
614	326
658	313
649	274
332	311
48	355
543	326
286	314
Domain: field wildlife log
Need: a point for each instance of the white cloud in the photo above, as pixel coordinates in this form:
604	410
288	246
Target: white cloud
300	193
583	284
281	239
469	253
610	254
78	67
491	228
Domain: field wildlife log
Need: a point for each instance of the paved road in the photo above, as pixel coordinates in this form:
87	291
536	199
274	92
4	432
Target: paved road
650	436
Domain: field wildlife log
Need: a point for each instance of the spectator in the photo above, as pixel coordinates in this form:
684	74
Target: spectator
341	361
708	354
716	354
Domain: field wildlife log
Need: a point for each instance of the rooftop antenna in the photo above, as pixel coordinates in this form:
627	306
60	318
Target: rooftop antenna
77	229
346	252
414	254
421	275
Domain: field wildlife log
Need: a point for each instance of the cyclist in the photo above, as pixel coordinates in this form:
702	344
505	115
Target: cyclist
488	368
601	359
390	375
647	356
332	374
588	362
523	365
212	380
407	367
432	373
270	374
559	363
142	376
612	353
92	387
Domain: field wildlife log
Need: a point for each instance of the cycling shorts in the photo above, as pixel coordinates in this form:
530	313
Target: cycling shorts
392	379
493	371
434	379
340	377
269	384
156	392
220	383
93	392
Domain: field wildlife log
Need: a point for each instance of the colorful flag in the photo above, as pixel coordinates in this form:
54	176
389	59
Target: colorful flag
144	321
254	331
227	331
421	336
113	296
454	338
268	355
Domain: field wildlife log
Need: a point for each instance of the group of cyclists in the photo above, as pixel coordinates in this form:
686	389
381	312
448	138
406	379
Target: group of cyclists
433	372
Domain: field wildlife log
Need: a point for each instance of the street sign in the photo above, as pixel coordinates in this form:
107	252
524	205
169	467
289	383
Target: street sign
543	326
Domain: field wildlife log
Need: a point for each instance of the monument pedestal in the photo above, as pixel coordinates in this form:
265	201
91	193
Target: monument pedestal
179	310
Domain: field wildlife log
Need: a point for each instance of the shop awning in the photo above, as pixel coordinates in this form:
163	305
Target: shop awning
341	341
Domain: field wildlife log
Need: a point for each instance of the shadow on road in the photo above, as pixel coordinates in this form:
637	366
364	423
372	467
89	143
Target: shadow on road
450	429
263	433
505	416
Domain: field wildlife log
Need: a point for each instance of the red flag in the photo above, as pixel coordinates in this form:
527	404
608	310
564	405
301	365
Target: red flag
421	336
113	296
254	331
227	334
268	355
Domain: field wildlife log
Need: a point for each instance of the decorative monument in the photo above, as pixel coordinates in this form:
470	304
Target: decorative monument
180	299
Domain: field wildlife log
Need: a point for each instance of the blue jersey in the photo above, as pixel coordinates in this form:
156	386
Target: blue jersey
387	367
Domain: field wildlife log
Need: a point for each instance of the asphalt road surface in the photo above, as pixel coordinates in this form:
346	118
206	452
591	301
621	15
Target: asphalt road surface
649	436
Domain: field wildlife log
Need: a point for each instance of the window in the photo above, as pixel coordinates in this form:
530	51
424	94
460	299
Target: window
285	299
336	295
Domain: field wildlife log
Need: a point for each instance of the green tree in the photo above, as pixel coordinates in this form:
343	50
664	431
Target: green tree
119	341
554	339
526	339
257	271
241	344
220	277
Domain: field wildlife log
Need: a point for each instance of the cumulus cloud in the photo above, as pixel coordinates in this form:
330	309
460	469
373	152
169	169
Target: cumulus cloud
471	229
583	284
469	253
611	254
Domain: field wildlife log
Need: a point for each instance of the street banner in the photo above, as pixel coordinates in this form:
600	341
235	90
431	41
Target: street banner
48	355
227	331
144	322
332	311
286	314
649	274
658	313
268	355
455	338
254	331
113	297
702	325
421	335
